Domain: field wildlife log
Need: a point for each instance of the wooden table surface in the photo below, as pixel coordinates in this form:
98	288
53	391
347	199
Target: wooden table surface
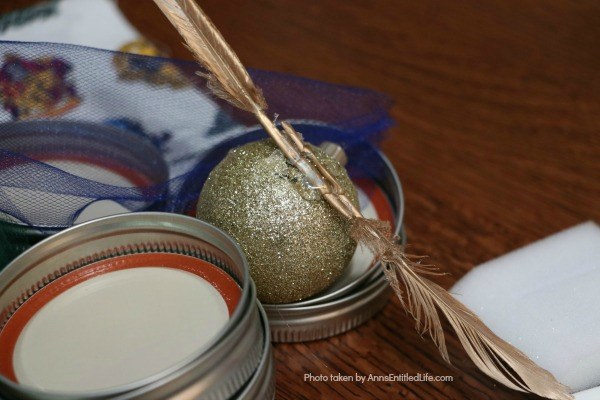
497	143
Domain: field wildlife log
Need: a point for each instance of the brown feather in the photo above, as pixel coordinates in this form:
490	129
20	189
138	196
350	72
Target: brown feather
227	77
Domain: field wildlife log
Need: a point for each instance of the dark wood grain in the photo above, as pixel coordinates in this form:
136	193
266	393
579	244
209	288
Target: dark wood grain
497	143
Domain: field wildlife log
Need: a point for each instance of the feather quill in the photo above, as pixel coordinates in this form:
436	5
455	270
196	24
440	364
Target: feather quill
421	297
227	77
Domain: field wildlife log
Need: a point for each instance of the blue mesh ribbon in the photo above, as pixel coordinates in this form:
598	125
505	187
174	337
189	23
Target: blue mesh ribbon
147	128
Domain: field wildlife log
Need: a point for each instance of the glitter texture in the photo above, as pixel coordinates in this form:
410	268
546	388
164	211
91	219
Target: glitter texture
296	243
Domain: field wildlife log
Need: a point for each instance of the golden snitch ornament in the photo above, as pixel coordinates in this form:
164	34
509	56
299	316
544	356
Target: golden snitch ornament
296	243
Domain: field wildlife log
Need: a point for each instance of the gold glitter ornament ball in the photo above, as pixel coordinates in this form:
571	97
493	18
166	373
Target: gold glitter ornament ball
296	243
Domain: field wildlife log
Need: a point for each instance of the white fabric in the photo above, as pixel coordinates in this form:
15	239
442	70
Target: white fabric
545	299
94	23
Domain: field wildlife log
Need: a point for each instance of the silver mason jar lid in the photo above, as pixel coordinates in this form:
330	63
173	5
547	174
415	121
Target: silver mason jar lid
301	324
262	384
39	204
89	141
224	365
